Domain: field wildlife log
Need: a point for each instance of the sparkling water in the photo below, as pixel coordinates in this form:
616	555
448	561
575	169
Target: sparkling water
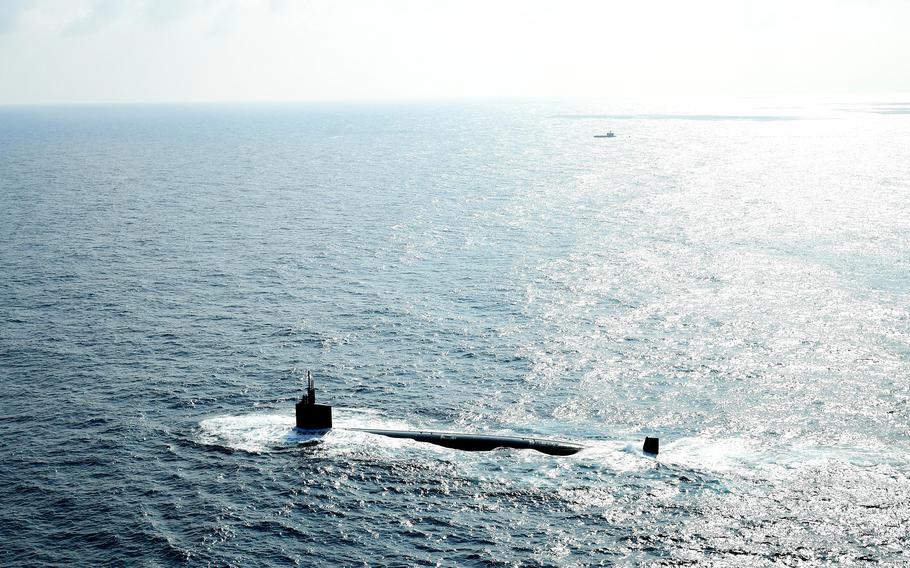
731	277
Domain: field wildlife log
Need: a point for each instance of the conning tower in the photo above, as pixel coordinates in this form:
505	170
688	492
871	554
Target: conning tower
312	416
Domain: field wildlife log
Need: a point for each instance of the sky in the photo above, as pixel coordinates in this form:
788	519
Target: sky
142	51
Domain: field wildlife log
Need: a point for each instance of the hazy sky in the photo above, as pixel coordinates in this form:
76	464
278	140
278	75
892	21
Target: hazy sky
60	51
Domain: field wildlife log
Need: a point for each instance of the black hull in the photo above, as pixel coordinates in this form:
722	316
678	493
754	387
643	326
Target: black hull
480	442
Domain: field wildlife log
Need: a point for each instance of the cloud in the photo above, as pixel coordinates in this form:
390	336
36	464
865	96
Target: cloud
10	11
86	17
166	12
100	14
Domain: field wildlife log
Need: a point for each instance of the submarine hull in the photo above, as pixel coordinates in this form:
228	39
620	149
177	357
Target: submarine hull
318	418
480	442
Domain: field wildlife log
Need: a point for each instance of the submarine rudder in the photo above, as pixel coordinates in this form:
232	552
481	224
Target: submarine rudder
651	446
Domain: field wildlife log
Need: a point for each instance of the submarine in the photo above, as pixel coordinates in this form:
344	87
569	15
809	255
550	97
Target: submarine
314	417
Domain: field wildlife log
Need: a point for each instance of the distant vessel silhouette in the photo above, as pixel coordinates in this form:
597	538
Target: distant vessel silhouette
607	135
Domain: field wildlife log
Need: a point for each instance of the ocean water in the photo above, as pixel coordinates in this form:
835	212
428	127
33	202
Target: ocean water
733	277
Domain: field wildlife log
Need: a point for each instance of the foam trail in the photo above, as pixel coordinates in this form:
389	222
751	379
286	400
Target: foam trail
713	454
259	433
251	433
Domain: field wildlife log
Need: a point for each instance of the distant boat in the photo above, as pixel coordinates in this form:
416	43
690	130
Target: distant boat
607	135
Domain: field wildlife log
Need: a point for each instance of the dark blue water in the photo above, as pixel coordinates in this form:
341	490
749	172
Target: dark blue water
736	282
